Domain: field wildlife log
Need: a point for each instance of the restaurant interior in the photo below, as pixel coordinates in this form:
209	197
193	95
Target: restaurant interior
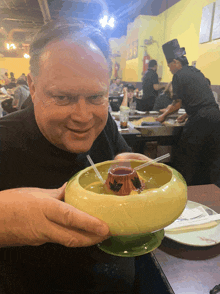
136	31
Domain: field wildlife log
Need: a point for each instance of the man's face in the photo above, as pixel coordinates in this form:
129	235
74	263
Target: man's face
174	66
70	95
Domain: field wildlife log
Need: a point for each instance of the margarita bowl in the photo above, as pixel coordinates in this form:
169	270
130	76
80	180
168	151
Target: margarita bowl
135	221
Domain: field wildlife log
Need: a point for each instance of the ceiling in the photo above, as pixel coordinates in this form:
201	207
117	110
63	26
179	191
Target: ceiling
20	19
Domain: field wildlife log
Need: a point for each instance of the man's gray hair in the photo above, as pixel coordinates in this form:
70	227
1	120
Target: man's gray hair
62	30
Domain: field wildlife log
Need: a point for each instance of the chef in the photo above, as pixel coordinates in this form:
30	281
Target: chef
196	155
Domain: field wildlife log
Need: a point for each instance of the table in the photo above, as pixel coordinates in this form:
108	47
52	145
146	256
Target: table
192	269
137	137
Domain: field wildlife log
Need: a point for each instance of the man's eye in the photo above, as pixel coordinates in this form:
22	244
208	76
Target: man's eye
99	99
62	100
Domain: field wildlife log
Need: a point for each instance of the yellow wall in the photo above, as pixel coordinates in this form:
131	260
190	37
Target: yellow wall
15	65
181	21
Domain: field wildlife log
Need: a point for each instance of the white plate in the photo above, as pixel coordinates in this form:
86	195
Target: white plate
201	238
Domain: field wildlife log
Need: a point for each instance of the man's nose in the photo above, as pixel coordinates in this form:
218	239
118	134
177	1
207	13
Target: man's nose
82	110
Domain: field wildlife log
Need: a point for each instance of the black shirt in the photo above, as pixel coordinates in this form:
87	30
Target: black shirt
162	101
28	159
190	85
150	79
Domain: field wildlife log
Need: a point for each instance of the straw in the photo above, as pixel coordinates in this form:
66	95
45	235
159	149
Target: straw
95	169
152	161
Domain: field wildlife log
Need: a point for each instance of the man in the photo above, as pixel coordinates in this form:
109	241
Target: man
42	147
21	93
23	76
150	86
7	80
116	87
197	153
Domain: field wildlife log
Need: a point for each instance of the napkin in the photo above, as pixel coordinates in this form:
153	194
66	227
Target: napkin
193	220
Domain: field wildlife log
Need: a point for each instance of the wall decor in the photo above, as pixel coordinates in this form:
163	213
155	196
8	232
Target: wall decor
206	23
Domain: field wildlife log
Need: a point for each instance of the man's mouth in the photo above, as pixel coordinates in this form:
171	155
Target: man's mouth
79	131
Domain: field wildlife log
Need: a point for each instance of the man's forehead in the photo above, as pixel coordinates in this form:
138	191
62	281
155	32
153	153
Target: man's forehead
64	57
71	45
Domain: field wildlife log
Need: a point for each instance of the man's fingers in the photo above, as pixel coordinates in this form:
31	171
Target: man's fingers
60	193
71	238
69	216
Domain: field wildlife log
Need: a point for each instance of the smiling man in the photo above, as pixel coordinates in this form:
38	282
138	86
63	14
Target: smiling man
70	95
42	147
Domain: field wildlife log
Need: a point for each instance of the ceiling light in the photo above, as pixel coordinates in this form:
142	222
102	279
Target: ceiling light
26	55
10	46
105	21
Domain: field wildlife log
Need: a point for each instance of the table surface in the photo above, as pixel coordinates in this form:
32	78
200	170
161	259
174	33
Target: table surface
192	269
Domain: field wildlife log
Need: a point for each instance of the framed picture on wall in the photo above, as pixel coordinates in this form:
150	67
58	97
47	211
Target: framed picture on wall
206	23
216	21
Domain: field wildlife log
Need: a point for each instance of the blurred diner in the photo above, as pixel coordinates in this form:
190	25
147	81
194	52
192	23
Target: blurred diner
116	87
6	79
130	94
21	93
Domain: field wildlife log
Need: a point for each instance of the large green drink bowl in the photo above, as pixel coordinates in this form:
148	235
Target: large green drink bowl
135	221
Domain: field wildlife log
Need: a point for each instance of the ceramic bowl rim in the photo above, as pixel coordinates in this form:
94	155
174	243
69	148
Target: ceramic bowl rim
127	197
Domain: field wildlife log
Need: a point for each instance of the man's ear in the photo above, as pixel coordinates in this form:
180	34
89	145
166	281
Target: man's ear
30	81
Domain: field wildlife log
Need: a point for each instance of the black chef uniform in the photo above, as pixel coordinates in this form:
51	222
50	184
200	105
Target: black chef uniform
149	94
197	153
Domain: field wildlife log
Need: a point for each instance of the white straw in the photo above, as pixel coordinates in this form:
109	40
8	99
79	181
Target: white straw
152	161
95	169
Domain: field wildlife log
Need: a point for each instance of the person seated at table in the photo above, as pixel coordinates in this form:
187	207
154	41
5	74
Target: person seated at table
21	93
116	88
164	99
6	79
130	93
23	76
46	244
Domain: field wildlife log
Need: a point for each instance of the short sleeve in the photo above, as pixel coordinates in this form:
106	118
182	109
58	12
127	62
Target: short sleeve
177	88
155	79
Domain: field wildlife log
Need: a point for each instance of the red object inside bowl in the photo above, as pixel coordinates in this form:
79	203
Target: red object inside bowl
123	180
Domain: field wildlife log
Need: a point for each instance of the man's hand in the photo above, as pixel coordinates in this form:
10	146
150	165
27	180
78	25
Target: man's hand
162	110
161	118
32	216
127	155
